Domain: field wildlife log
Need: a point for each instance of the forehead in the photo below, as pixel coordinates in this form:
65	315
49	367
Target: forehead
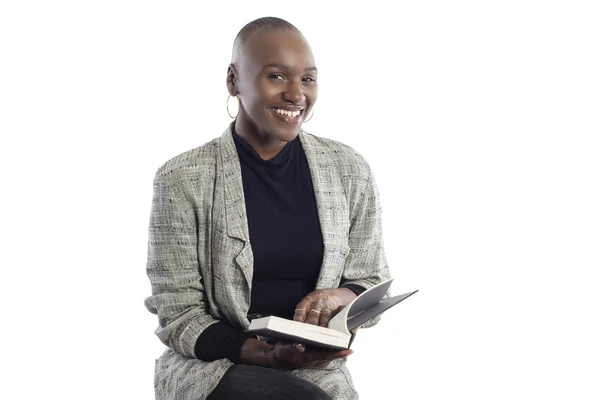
280	46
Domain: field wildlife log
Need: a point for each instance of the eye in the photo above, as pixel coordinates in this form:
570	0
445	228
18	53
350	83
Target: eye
309	79
276	76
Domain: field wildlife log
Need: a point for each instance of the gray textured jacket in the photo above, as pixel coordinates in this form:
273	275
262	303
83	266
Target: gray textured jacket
200	260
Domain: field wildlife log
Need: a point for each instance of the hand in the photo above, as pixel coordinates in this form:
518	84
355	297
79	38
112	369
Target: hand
326	363
318	307
289	355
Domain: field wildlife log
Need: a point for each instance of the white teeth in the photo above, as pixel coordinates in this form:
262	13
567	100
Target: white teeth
288	113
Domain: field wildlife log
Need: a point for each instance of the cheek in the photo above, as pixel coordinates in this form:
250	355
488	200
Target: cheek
269	92
312	94
262	95
251	101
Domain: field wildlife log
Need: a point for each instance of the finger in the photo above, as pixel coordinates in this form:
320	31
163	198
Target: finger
302	309
292	348
311	357
337	310
344	353
322	364
327	355
289	355
325	317
314	314
300	314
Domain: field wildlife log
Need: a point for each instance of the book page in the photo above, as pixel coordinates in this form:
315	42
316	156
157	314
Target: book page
367	299
365	315
339	321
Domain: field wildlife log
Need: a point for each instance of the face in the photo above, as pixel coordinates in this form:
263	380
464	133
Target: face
276	79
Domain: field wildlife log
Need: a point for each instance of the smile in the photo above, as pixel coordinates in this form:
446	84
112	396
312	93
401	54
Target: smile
288	117
292	114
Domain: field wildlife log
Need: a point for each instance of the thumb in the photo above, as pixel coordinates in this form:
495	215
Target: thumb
337	310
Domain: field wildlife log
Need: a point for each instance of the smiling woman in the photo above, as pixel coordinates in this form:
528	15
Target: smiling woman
284	223
274	74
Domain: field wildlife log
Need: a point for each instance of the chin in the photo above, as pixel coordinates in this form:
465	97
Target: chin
287	135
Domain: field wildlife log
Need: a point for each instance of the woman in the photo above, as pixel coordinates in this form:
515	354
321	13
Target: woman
267	219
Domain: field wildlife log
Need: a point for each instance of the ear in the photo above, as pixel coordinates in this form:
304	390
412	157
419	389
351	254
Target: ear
232	80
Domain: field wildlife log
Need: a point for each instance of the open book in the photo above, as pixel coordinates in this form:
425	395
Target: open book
338	333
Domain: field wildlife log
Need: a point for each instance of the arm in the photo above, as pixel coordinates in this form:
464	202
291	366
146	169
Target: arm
221	340
178	296
366	264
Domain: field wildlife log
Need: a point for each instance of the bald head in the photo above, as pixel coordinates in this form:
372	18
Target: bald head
257	26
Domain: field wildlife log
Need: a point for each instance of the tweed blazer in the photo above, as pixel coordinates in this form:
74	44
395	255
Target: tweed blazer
200	259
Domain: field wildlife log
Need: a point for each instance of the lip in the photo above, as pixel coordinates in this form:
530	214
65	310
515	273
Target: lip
289	108
288	120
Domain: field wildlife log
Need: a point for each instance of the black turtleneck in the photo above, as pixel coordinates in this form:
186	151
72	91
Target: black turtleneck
286	241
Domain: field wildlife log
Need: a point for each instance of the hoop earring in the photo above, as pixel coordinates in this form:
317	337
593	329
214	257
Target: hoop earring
310	117
228	112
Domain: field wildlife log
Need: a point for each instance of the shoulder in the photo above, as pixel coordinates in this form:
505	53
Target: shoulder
192	163
346	159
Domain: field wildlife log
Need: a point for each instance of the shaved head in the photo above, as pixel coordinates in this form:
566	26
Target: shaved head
256	26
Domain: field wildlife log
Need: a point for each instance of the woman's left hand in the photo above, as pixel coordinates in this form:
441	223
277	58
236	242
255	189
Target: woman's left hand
318	307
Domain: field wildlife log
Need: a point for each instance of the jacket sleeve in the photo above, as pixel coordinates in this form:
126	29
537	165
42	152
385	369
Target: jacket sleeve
366	264
178	296
221	340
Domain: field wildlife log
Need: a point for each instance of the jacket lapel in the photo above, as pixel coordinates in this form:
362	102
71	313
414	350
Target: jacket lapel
331	207
235	214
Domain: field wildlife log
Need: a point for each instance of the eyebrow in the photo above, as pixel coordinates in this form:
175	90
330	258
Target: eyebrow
283	66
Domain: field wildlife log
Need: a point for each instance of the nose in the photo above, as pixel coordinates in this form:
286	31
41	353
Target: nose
294	93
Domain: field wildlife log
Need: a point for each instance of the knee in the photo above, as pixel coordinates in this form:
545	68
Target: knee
254	382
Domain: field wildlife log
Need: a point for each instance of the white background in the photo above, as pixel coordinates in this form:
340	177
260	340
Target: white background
479	118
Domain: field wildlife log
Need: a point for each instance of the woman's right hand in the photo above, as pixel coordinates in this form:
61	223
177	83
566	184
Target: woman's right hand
290	355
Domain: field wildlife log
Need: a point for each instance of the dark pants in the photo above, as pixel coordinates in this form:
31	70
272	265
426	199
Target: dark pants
246	382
